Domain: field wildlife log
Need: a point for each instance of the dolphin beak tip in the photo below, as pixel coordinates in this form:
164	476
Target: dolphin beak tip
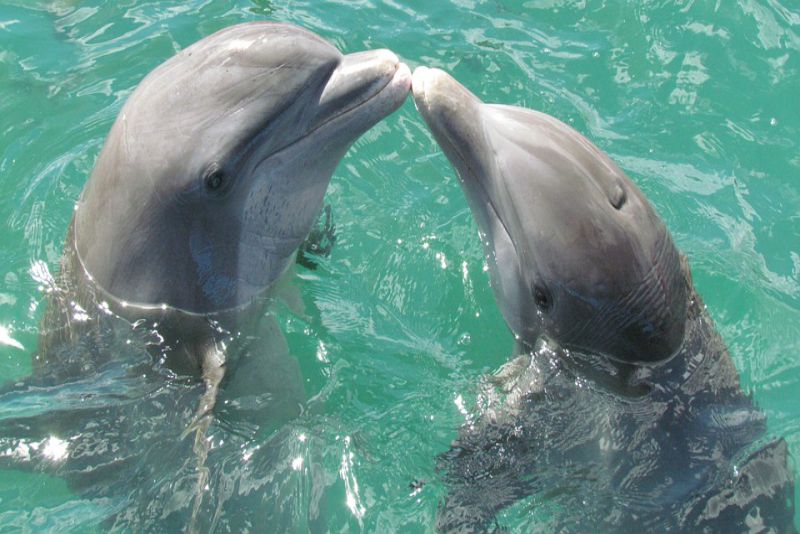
404	75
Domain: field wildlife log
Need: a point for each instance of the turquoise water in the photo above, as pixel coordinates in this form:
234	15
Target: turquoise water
697	101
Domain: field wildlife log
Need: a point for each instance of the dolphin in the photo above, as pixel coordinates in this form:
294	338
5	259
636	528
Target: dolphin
623	410
210	179
213	175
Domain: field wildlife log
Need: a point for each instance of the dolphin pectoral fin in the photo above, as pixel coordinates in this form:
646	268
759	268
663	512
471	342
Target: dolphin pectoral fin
319	242
213	365
213	360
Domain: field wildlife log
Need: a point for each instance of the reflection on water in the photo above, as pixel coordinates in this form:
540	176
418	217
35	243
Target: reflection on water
351	482
697	101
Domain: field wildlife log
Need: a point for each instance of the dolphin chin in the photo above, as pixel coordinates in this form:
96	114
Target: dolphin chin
622	393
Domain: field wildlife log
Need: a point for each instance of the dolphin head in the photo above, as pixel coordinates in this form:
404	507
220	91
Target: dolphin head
216	167
576	252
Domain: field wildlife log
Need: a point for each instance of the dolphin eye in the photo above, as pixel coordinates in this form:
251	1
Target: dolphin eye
215	179
618	196
542	298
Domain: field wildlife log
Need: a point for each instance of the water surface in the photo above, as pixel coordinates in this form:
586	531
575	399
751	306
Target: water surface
697	101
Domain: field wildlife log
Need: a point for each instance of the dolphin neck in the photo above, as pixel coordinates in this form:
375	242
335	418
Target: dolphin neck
176	334
701	363
73	264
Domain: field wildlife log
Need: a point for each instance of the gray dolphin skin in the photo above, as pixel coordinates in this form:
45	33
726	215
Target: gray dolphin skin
210	179
215	170
623	402
214	173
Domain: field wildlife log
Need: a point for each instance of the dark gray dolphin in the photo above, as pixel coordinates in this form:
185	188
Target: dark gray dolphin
625	407
210	179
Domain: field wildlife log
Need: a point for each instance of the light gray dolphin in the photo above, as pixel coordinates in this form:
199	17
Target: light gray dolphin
210	179
213	175
625	403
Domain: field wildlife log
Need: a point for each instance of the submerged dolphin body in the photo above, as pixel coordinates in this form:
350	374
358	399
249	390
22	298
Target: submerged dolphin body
624	410
210	179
